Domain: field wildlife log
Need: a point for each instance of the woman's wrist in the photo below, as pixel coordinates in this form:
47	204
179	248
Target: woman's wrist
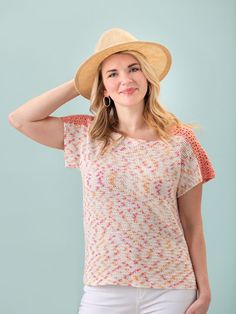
75	88
206	294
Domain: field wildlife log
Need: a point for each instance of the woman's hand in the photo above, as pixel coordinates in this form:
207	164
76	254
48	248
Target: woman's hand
200	306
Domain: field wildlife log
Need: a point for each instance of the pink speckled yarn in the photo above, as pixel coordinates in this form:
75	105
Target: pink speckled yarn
133	234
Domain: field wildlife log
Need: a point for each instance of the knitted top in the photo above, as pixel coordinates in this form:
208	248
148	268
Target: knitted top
132	230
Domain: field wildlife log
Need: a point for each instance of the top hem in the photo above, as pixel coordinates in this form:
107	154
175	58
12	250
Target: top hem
193	287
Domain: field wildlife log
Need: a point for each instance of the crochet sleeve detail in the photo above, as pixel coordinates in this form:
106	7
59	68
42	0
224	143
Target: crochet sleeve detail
196	166
75	127
77	119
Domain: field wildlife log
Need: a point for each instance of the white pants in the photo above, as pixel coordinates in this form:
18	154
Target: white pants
111	299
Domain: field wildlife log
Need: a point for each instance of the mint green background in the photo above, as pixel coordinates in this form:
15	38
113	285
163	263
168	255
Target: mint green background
42	44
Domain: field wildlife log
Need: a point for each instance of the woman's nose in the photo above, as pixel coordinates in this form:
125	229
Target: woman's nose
125	77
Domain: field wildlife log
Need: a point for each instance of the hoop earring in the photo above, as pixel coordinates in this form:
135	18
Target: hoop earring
104	102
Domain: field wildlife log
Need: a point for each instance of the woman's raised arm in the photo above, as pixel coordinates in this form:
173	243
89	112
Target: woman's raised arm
33	117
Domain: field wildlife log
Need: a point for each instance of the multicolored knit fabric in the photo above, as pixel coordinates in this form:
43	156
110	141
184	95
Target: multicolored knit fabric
133	233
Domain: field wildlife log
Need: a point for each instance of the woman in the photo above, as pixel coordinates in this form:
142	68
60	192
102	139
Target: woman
142	171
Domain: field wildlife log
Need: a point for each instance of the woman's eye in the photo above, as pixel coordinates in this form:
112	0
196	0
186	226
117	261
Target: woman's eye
111	74
135	69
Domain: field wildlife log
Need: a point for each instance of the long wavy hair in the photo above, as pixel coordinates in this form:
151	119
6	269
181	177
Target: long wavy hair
105	120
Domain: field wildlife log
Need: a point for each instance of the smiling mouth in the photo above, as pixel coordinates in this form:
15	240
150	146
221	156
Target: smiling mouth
129	91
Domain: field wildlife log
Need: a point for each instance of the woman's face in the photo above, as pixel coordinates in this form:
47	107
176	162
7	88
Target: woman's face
119	73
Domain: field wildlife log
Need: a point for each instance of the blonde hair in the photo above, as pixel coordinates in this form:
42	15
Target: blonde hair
155	114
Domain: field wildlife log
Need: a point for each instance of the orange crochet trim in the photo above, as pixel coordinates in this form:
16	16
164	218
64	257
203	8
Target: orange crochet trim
203	160
82	119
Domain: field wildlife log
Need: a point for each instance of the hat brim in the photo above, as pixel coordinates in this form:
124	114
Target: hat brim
157	54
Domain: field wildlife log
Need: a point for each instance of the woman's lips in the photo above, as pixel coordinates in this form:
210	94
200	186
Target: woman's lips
129	91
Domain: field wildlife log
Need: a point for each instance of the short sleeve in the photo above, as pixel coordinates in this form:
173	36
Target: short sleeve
75	132
196	166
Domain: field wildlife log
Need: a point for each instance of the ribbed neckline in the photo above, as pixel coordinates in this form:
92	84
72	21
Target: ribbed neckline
136	140
141	140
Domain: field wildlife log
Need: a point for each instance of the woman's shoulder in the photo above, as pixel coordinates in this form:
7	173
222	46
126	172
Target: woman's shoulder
184	131
186	136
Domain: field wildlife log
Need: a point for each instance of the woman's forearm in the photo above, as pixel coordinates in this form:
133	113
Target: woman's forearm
43	105
197	249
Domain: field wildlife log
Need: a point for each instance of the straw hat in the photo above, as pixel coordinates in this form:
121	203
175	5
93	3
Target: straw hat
114	40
